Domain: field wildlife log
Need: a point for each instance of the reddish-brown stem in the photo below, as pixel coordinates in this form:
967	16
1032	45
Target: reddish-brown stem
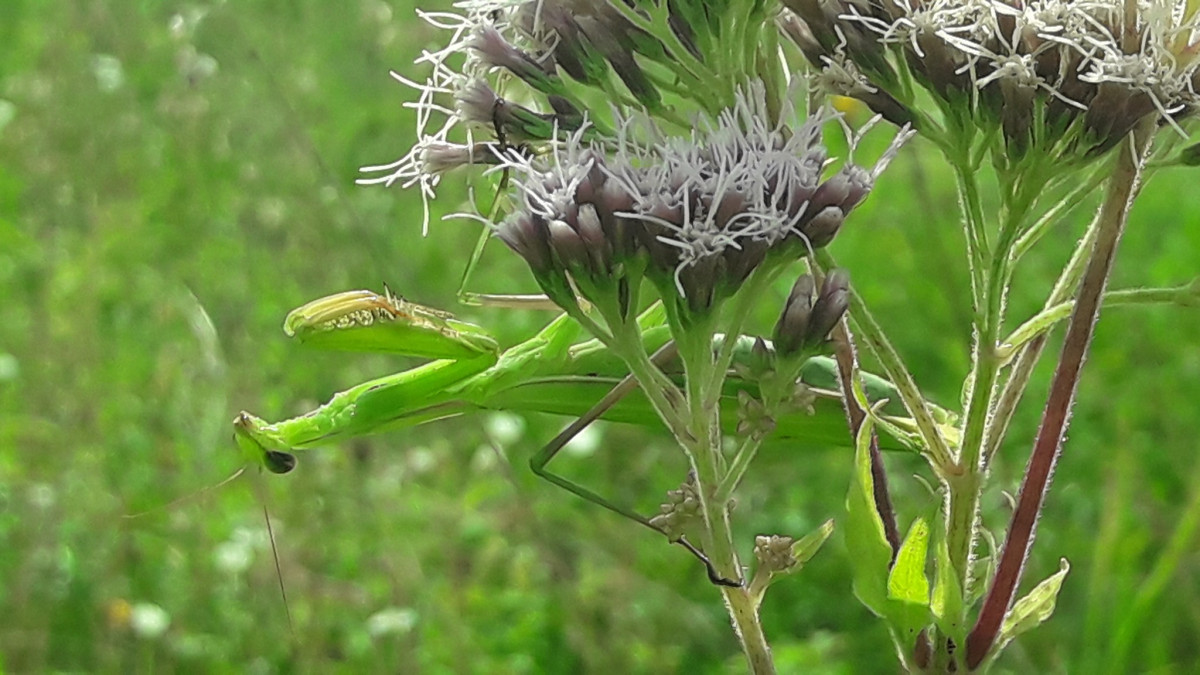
847	360
1048	445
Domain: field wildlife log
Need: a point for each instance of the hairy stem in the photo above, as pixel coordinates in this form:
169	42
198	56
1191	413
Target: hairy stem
1048	444
964	488
847	361
872	334
1022	368
703	446
1042	321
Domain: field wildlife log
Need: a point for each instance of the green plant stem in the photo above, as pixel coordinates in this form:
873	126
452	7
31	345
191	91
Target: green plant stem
868	328
976	231
662	393
1034	232
737	468
703	446
757	284
1048	444
1041	322
1022	368
964	488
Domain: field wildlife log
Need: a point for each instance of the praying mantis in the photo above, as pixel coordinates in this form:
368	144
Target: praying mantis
555	371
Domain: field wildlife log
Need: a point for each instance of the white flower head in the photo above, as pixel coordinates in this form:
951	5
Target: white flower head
1088	70
704	209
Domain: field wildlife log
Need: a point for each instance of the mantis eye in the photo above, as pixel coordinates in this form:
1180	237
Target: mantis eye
279	462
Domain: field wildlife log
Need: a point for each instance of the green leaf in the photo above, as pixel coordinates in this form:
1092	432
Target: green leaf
947	603
807	547
1033	609
983	569
908	585
870	553
908	582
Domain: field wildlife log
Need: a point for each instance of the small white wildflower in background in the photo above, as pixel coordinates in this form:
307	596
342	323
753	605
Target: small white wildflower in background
392	621
8	111
484	459
109	72
421	460
42	496
586	442
148	620
233	557
504	428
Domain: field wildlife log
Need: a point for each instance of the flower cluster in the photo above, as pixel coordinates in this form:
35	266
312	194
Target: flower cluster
532	71
1070	75
698	213
805	323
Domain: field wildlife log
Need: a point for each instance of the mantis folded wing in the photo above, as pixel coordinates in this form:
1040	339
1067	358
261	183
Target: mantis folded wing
551	372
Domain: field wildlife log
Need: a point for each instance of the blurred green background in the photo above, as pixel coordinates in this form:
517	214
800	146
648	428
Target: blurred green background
176	176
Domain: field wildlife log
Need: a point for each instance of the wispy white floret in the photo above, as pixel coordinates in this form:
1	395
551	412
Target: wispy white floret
701	205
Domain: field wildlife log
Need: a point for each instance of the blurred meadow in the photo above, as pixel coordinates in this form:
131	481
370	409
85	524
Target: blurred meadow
176	176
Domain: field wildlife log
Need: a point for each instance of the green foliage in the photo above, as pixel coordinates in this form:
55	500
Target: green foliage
171	185
908	585
1033	609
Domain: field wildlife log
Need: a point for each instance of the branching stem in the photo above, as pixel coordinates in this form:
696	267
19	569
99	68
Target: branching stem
1048	444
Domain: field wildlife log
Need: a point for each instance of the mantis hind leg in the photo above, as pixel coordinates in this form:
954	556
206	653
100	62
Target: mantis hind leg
539	462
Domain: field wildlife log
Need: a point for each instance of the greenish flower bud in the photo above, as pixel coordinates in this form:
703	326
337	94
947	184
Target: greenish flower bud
754	419
681	511
774	553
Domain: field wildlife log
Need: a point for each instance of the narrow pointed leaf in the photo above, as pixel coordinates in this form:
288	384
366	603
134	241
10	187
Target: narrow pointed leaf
947	602
808	545
908	585
866	543
1033	609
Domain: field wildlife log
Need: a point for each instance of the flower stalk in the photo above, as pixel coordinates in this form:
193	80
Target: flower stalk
1048	444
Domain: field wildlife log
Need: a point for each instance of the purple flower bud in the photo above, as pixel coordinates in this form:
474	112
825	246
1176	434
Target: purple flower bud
792	327
498	52
804	324
566	244
829	308
591	232
526	234
822	227
830	193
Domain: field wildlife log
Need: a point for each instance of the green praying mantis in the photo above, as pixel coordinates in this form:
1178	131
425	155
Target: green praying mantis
555	371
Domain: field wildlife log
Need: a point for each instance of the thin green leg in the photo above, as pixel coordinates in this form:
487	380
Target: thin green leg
539	462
